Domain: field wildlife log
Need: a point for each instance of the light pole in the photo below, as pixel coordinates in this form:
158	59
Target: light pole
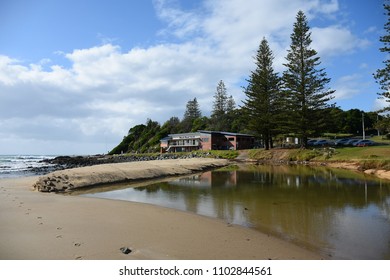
364	133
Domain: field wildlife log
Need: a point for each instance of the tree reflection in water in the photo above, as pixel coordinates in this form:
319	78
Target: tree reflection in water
344	214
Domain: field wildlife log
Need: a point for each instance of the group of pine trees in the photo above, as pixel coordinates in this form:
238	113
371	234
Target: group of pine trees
295	102
222	115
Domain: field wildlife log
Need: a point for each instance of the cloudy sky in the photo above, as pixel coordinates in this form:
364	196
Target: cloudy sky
75	75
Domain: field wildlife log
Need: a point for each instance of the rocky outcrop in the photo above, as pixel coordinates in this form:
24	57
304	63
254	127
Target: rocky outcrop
67	162
89	176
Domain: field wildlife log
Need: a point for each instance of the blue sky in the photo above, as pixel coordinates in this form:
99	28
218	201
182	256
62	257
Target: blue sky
76	75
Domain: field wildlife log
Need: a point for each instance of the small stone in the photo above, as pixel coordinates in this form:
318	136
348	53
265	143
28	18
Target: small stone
125	250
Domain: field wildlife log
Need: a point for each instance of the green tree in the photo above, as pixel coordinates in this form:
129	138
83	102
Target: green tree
200	124
230	104
220	100
305	85
219	115
191	113
231	115
382	76
192	110
335	120
262	96
383	125
171	126
140	138
353	121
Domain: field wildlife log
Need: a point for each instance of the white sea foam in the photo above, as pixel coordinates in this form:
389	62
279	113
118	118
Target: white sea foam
21	165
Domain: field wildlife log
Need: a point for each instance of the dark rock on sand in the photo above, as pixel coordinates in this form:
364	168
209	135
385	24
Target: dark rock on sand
125	250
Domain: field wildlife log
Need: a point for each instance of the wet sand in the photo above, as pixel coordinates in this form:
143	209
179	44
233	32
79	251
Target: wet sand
49	226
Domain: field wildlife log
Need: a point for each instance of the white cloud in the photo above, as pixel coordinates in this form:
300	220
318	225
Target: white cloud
334	40
347	87
107	89
381	103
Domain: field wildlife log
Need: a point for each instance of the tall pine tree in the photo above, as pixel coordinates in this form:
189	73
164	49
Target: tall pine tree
222	115
220	100
262	96
382	76
305	84
218	114
191	114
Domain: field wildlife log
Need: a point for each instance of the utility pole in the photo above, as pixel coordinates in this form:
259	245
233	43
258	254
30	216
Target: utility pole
377	120
364	133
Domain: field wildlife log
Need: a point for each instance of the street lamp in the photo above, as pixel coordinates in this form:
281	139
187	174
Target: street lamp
364	133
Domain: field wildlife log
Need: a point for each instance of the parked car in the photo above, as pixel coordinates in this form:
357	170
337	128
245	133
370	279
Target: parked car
364	143
341	142
311	142
351	142
322	143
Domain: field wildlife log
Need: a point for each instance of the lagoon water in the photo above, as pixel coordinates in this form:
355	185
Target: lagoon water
344	215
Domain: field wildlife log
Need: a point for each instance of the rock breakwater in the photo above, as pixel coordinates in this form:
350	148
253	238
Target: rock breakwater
67	162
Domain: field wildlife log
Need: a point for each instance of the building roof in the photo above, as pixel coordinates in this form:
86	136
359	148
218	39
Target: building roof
185	135
192	135
225	133
165	139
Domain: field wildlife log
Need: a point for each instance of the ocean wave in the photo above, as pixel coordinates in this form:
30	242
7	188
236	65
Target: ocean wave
21	165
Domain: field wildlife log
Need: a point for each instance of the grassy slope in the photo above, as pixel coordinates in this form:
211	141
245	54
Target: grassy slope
377	157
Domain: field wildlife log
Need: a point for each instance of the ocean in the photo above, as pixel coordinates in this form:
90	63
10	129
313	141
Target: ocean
13	166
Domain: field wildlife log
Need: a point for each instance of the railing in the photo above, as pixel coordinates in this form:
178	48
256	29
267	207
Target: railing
183	145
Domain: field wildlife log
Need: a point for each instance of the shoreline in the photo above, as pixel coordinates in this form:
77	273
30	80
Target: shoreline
45	226
353	166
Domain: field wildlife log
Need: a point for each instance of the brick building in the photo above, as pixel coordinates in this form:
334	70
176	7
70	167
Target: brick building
206	140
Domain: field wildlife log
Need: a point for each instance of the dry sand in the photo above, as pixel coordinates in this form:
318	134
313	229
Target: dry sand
71	179
49	226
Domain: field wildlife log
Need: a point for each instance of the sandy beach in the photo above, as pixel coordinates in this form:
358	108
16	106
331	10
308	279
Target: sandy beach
47	226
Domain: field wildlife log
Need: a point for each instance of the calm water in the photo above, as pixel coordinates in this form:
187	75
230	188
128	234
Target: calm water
343	214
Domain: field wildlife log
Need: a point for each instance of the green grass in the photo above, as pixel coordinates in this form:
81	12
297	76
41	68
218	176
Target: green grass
223	154
228	154
362	153
376	157
380	139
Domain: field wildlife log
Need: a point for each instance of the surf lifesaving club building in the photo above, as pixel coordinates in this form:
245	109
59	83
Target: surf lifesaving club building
205	141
